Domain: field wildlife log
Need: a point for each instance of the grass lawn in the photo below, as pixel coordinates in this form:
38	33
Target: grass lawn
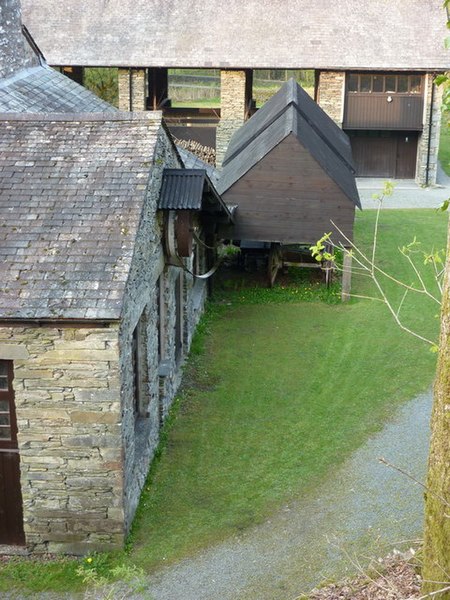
444	145
278	392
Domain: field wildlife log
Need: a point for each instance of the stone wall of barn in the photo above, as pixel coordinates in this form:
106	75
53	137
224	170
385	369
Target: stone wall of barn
428	159
331	94
132	89
67	395
232	109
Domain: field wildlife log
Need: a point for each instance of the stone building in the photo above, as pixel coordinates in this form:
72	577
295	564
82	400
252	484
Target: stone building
103	287
95	318
392	50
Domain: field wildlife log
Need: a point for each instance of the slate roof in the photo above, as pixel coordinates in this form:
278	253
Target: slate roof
192	161
189	189
72	189
291	110
345	34
43	90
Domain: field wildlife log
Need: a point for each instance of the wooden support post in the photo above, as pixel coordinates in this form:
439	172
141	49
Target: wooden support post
346	277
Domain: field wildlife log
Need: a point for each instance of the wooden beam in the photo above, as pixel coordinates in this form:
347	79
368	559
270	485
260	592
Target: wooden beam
346	277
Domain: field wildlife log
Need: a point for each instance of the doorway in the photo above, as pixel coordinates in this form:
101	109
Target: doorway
384	153
11	516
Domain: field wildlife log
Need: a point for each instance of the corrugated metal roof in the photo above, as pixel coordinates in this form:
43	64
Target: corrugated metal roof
182	189
291	111
185	189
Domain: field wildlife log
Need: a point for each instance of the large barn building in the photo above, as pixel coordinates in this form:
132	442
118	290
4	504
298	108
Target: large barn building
374	62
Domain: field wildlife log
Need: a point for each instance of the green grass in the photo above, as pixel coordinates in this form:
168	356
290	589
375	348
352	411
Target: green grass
277	393
444	146
283	393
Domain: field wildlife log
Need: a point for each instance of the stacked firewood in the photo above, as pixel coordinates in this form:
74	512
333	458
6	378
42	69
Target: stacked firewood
205	153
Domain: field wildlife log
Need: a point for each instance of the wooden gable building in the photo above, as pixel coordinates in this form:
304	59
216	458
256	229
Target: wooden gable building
290	171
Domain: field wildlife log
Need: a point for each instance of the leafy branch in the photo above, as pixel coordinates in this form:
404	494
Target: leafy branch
365	264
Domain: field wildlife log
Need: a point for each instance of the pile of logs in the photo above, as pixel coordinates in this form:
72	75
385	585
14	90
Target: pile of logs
205	153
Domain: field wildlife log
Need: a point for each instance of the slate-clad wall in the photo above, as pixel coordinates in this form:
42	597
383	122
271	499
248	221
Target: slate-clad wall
67	395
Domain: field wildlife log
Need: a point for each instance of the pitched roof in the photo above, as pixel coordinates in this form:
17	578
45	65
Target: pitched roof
345	34
192	161
72	190
43	90
189	189
291	111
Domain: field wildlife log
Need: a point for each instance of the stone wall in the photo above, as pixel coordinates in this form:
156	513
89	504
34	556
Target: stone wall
331	94
150	292
422	146
13	53
132	94
67	395
232	109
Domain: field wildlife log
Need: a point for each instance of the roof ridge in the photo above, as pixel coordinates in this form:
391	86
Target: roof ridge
153	116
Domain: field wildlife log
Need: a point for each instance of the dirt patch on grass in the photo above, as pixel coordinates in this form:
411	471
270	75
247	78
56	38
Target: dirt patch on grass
393	578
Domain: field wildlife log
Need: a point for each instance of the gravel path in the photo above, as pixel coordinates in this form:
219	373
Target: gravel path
407	194
362	510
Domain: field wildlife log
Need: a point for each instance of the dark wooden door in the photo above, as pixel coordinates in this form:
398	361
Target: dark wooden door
384	153
406	155
374	154
11	518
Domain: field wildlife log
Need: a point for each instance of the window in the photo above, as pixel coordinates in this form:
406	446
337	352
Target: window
402	84
139	366
378	83
415	86
179	316
7	414
353	81
365	83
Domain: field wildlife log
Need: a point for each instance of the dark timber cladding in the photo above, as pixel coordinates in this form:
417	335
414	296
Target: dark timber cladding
290	171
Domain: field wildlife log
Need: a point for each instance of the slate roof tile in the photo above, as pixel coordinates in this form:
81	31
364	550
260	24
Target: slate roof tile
43	90
262	34
63	251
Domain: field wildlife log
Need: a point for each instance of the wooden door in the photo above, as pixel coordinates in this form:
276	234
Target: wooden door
11	518
374	154
406	155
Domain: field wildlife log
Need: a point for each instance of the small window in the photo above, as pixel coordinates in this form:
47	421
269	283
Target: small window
415	86
366	83
7	420
353	83
140	370
3	375
402	84
378	83
391	81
